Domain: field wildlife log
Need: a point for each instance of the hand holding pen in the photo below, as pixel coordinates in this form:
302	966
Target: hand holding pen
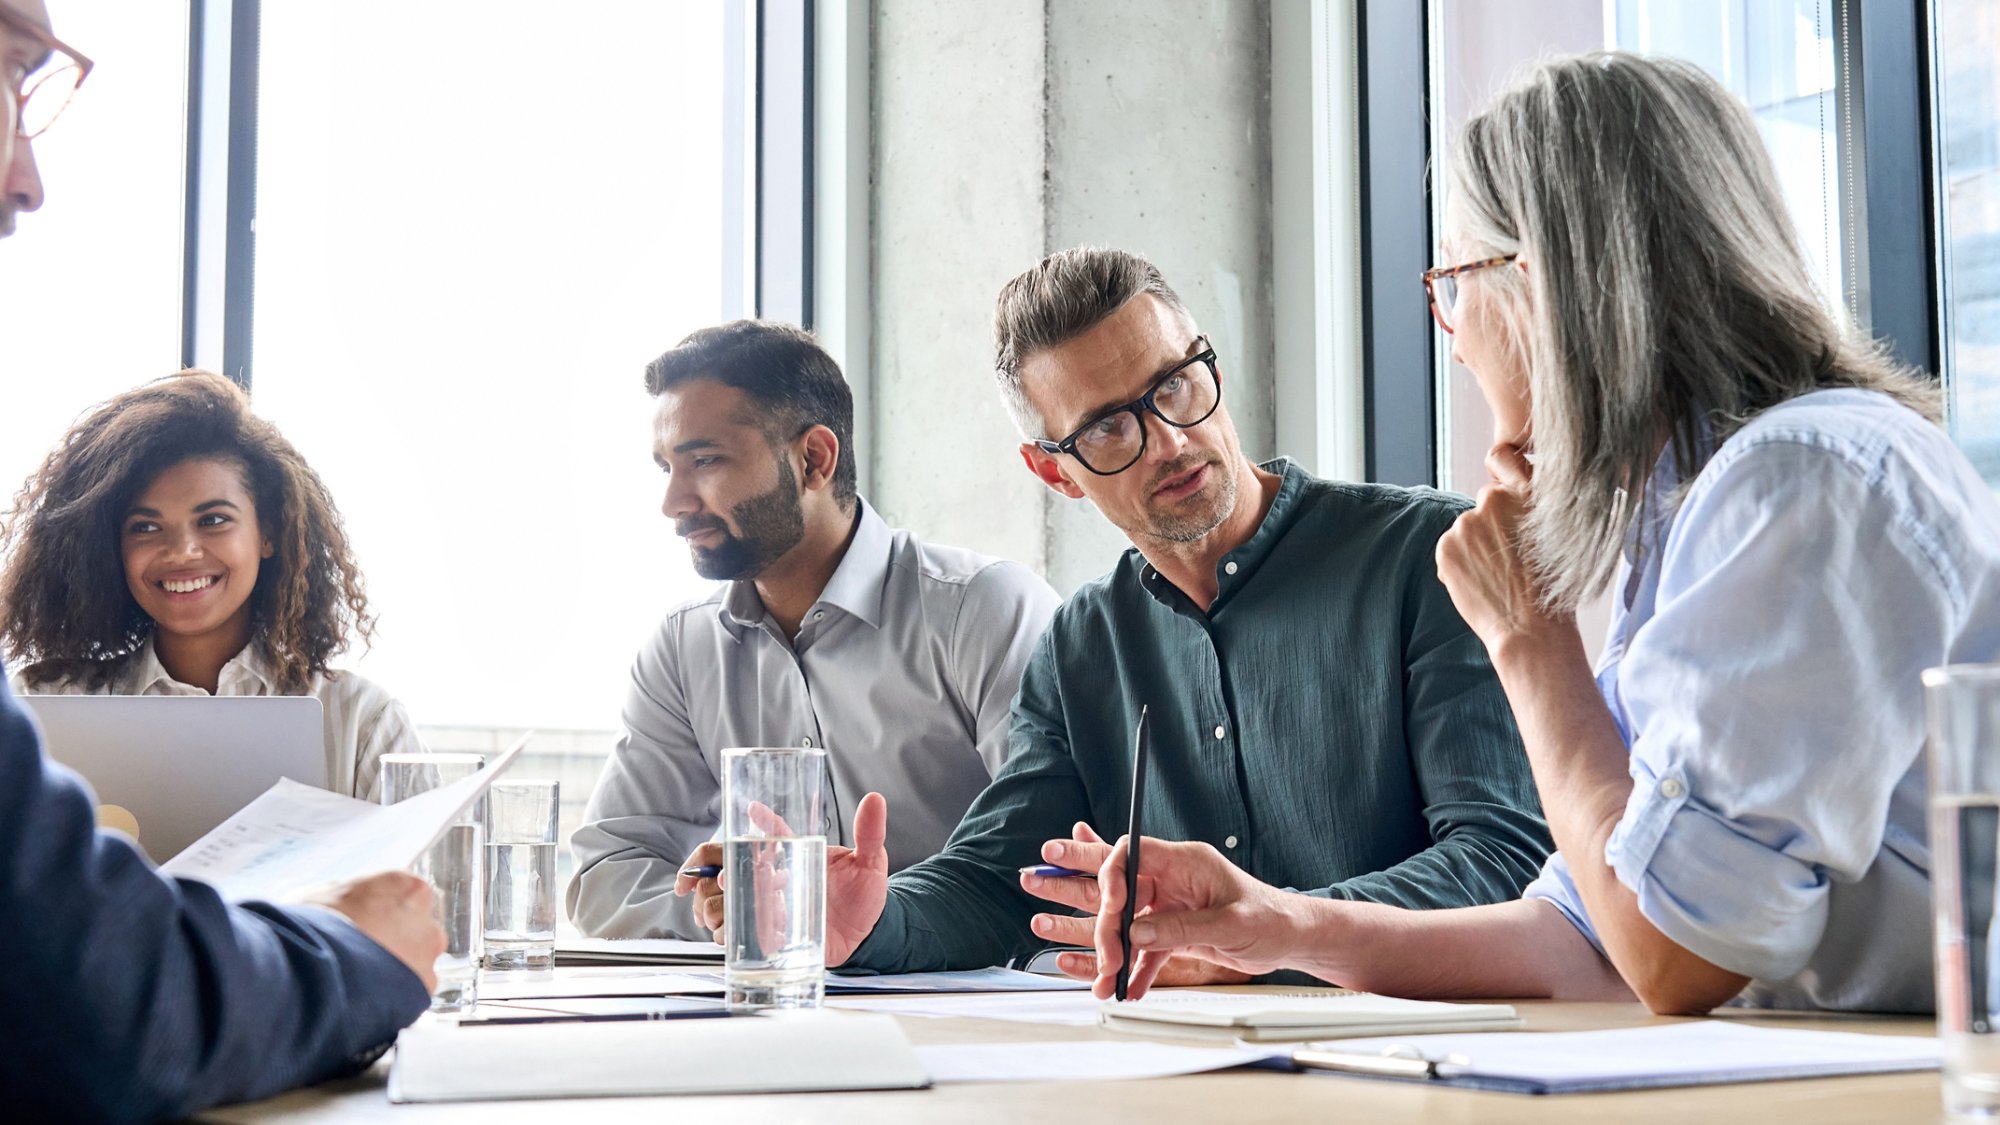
1191	900
1070	879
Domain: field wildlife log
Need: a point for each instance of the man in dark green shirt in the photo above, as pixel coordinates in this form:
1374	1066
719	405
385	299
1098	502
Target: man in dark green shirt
1319	712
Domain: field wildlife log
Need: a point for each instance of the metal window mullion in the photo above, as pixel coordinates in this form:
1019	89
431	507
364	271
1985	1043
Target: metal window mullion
1398	371
784	164
1890	210
220	230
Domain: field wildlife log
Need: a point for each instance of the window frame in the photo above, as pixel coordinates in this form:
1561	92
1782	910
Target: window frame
1885	54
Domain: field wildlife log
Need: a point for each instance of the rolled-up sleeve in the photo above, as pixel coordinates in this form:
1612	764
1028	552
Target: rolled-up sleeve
655	801
1771	710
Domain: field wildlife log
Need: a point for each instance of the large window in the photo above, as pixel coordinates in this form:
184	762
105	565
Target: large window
471	236
91	290
1967	61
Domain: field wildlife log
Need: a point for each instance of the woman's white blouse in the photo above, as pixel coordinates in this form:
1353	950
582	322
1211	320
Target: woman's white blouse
363	722
1763	668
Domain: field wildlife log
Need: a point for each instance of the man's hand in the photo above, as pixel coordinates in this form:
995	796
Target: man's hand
707	905
393	908
1192	900
857	883
1086	851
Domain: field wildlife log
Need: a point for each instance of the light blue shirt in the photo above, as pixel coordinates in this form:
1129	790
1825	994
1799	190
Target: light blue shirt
1763	667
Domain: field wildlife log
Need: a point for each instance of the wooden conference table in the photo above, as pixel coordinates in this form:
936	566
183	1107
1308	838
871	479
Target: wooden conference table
1228	1096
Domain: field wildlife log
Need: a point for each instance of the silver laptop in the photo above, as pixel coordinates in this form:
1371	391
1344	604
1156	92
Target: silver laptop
167	769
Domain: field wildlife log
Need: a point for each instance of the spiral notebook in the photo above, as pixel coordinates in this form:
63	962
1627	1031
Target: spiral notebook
1273	1017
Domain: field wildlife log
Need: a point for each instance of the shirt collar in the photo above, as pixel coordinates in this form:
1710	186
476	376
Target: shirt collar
855	588
1239	565
248	672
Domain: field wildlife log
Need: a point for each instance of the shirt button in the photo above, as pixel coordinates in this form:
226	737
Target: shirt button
819	615
1229	568
1221	733
1230	842
1672	789
806	742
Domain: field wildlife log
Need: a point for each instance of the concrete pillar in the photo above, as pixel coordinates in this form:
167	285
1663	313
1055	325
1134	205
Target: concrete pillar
1007	130
958	170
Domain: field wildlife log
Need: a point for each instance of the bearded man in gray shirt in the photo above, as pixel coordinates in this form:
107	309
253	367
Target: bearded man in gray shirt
832	629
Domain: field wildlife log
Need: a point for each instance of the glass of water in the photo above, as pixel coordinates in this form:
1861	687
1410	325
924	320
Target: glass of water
774	877
454	867
1963	703
521	875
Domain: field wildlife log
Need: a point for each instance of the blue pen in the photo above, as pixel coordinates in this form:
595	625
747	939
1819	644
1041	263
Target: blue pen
705	871
1056	871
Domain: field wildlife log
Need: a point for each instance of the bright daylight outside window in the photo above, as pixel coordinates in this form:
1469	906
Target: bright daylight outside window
83	324
1968	74
472	235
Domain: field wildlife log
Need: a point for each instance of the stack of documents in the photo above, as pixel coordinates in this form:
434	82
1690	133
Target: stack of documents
1265	1017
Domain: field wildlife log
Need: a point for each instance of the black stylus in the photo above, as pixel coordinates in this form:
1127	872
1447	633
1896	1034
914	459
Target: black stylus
1141	745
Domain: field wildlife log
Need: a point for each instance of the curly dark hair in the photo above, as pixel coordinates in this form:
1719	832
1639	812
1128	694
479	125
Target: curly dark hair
65	610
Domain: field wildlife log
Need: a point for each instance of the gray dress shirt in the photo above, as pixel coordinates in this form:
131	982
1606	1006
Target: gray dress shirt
904	670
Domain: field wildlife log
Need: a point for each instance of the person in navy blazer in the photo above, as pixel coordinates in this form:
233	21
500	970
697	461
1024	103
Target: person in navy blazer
129	996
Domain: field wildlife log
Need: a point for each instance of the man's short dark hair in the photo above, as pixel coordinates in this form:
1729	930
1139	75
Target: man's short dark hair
779	366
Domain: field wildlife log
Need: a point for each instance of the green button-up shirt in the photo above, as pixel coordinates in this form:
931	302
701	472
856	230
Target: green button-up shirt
1330	724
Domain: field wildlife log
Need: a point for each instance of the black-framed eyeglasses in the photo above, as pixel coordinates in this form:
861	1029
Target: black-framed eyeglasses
40	97
1114	441
1441	286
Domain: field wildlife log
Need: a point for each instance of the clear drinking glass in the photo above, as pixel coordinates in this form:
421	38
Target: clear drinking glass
521	875
774	877
1963	701
454	867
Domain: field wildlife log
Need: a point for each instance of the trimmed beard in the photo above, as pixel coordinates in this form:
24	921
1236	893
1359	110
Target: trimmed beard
771	523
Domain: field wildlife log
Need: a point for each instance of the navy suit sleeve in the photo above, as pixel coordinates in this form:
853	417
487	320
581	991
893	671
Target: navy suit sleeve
135	997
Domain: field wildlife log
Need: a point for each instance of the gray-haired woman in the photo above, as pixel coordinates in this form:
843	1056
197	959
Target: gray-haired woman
1736	791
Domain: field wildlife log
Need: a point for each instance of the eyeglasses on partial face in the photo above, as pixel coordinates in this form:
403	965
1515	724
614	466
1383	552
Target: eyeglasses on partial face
42	94
1183	397
1441	286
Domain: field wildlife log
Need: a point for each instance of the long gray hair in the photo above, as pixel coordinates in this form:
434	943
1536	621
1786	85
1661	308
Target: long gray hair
1666	296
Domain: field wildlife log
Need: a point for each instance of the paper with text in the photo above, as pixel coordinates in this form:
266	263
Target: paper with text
295	837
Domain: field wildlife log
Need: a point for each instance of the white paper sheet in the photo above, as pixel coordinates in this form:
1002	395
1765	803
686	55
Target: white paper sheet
636	951
796	1052
968	980
567	981
1070	1008
295	837
1078	1062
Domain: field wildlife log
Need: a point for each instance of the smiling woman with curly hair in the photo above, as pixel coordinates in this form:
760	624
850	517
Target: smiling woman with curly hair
174	543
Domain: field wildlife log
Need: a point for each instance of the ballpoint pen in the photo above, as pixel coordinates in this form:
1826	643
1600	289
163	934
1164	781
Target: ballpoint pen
1056	871
1141	743
1396	1062
705	871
